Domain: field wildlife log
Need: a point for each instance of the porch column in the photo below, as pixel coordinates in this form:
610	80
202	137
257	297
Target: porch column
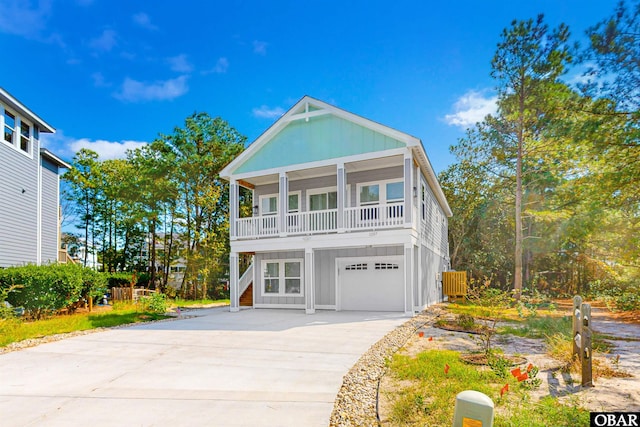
341	186
408	278
233	282
233	208
408	189
283	208
309	288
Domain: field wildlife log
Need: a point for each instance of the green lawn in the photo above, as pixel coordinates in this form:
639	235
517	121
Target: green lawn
428	393
14	330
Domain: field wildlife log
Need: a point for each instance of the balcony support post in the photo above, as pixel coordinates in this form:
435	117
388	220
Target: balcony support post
233	208
408	189
234	289
283	209
341	185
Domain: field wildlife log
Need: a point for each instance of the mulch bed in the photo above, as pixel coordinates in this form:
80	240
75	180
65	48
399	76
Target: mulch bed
455	327
481	359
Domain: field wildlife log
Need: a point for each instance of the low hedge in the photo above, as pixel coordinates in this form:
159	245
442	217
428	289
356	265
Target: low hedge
44	289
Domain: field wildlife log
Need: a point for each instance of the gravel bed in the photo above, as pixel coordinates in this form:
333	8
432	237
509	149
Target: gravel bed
356	403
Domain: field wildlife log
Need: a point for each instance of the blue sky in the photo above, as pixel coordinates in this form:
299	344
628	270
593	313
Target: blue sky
111	75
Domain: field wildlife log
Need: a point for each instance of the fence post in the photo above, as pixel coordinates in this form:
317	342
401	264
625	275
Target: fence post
577	326
585	347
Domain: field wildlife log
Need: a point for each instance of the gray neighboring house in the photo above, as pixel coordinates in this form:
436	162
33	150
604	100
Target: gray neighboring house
29	189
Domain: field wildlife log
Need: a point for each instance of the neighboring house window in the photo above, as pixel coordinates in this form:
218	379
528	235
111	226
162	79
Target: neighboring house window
9	126
16	131
282	277
25	138
423	196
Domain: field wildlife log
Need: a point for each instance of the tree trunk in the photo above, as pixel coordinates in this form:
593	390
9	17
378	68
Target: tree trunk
517	276
152	275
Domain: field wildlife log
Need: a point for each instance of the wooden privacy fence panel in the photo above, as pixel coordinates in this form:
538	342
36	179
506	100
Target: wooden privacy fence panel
121	294
128	294
454	284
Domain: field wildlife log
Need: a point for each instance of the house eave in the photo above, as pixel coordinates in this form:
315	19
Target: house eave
291	115
21	109
54	159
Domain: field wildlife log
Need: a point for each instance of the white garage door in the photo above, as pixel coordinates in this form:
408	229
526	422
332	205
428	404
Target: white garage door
373	283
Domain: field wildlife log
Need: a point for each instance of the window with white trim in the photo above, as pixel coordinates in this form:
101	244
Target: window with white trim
321	199
25	137
388	193
9	126
269	203
17	132
382	192
283	277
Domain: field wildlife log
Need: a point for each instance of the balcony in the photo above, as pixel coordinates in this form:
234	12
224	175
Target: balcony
373	217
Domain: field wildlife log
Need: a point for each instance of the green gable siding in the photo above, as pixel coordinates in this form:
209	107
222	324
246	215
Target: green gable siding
321	138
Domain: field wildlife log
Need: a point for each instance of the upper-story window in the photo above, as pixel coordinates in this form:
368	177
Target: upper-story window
17	132
9	126
381	193
320	200
25	138
269	203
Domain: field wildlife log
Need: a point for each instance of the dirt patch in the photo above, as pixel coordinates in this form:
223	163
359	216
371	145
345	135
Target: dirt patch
619	393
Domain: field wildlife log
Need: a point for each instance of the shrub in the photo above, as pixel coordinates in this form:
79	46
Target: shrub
7	311
156	303
42	290
466	321
622	295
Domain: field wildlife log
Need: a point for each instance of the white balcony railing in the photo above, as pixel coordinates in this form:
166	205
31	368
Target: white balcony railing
375	216
312	222
258	226
318	222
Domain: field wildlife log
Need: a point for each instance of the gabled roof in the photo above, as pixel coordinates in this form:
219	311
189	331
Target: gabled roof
290	141
14	104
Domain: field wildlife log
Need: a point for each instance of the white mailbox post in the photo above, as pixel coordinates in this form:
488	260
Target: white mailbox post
473	409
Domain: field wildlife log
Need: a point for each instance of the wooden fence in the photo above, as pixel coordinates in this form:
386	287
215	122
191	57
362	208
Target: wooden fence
128	294
454	284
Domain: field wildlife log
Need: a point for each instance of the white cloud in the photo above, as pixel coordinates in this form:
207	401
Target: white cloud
21	18
260	47
180	63
67	146
221	67
142	20
106	149
105	41
98	80
136	91
266	112
471	108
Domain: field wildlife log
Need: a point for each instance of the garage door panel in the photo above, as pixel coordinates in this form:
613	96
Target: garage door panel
374	284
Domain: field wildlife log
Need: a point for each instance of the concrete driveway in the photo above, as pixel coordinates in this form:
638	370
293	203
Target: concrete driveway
252	368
